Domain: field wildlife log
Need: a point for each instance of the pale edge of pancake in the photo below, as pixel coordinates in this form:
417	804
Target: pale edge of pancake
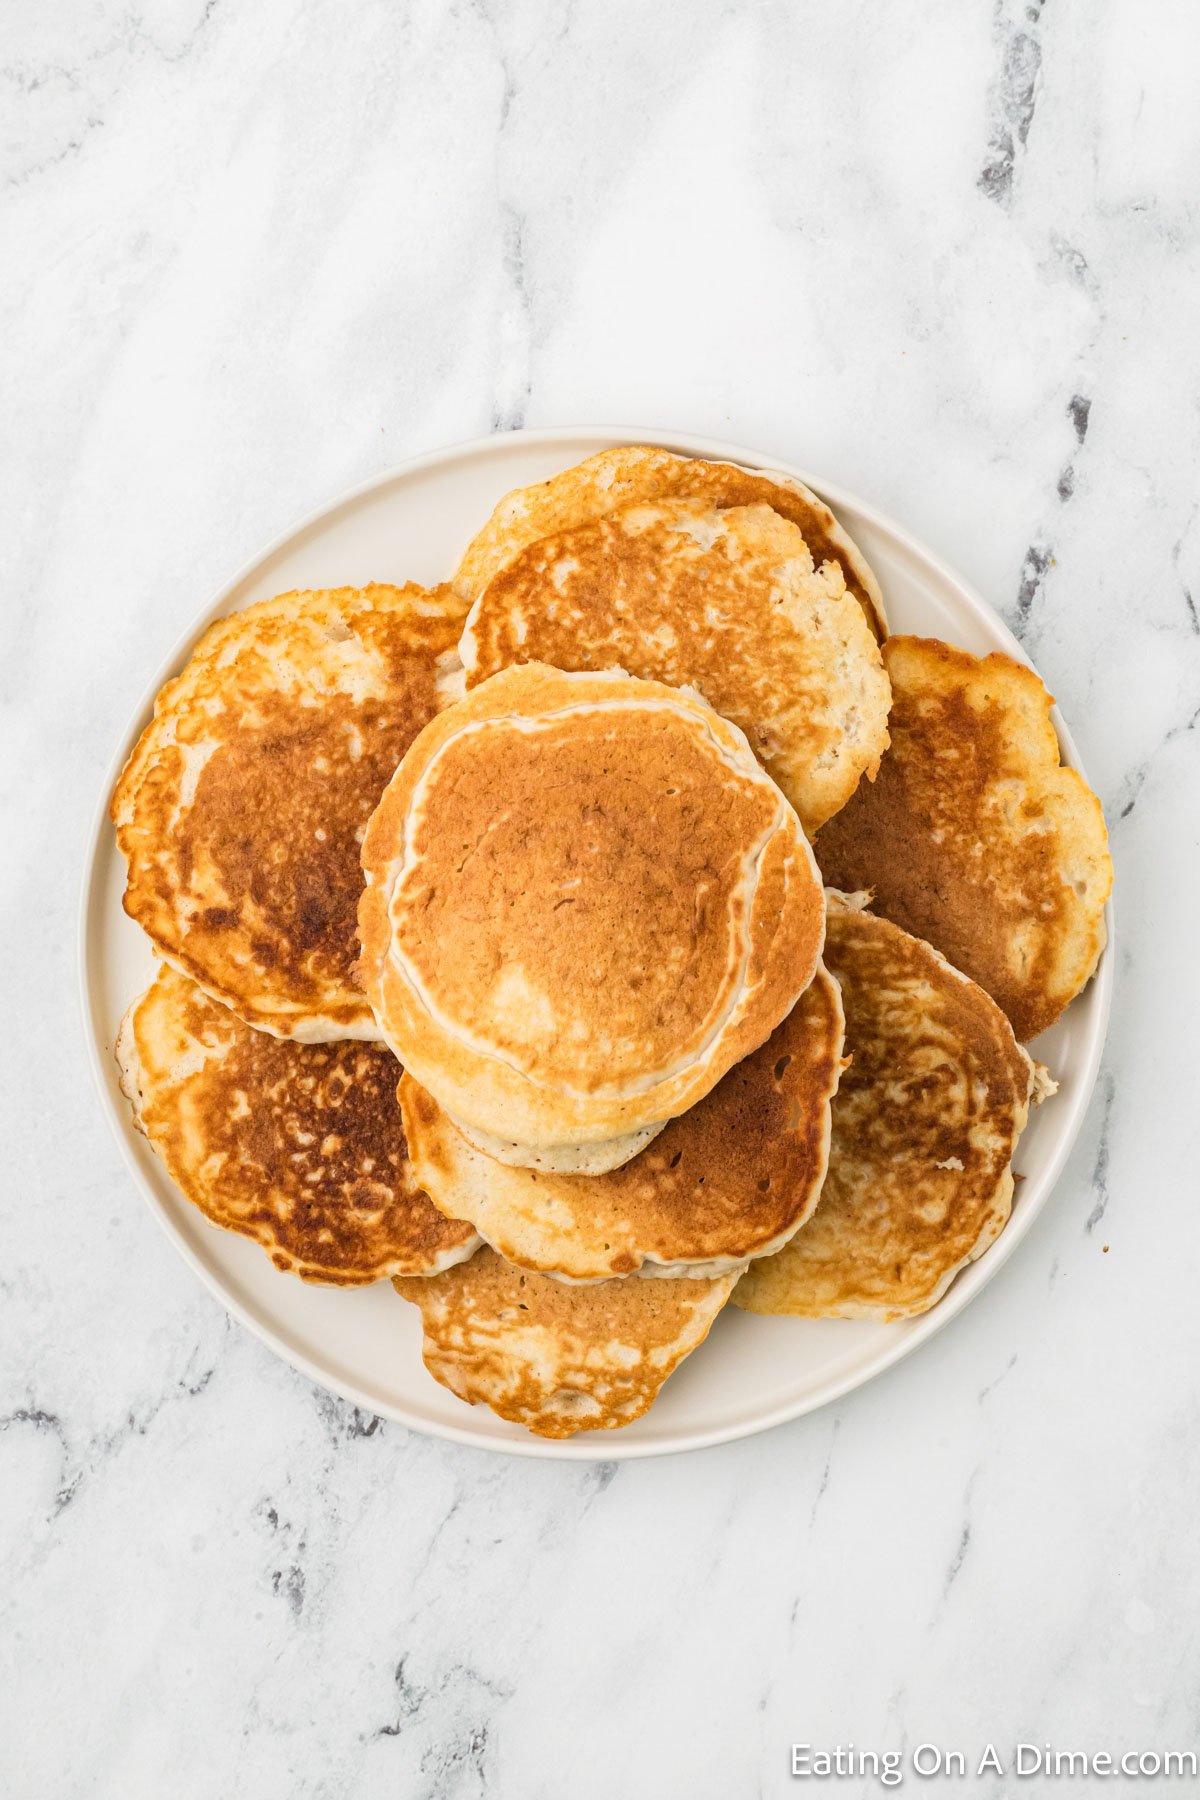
561	1159
129	1063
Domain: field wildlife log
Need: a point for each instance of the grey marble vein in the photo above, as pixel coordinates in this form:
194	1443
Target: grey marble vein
1013	95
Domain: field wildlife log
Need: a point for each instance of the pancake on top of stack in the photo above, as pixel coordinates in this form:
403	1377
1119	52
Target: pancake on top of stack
925	1124
733	1177
554	1357
634	473
298	1146
727	601
241	810
585	902
974	836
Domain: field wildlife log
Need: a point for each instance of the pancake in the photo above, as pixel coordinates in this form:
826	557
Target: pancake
585	902
732	1178
241	811
555	1358
298	1146
636	472
974	836
924	1127
726	601
560	1159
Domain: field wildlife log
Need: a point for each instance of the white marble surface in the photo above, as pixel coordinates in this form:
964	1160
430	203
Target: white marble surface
946	253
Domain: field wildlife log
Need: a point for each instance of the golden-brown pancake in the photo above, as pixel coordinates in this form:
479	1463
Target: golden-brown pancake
298	1146
726	601
925	1123
554	1357
241	810
974	836
639	472
585	902
734	1177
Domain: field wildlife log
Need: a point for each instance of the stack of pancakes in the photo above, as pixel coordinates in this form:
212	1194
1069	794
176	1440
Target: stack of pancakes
628	925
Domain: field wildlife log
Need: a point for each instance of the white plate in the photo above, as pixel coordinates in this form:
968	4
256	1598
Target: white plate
753	1372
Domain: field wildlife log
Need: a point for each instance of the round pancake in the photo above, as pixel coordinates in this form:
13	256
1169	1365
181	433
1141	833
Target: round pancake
241	810
638	472
732	1178
585	901
925	1123
555	1358
974	836
727	602
298	1146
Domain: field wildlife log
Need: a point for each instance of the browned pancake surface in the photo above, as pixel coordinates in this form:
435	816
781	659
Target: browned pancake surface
584	902
554	1357
543	847
637	472
729	1179
925	1122
241	811
726	601
298	1146
974	837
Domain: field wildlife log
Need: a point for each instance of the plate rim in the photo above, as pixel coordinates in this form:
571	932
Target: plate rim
584	1447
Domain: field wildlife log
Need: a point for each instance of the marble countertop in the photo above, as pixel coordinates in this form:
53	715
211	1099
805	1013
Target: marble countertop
948	255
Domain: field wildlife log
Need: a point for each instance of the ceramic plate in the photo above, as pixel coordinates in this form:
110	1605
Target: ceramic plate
752	1373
